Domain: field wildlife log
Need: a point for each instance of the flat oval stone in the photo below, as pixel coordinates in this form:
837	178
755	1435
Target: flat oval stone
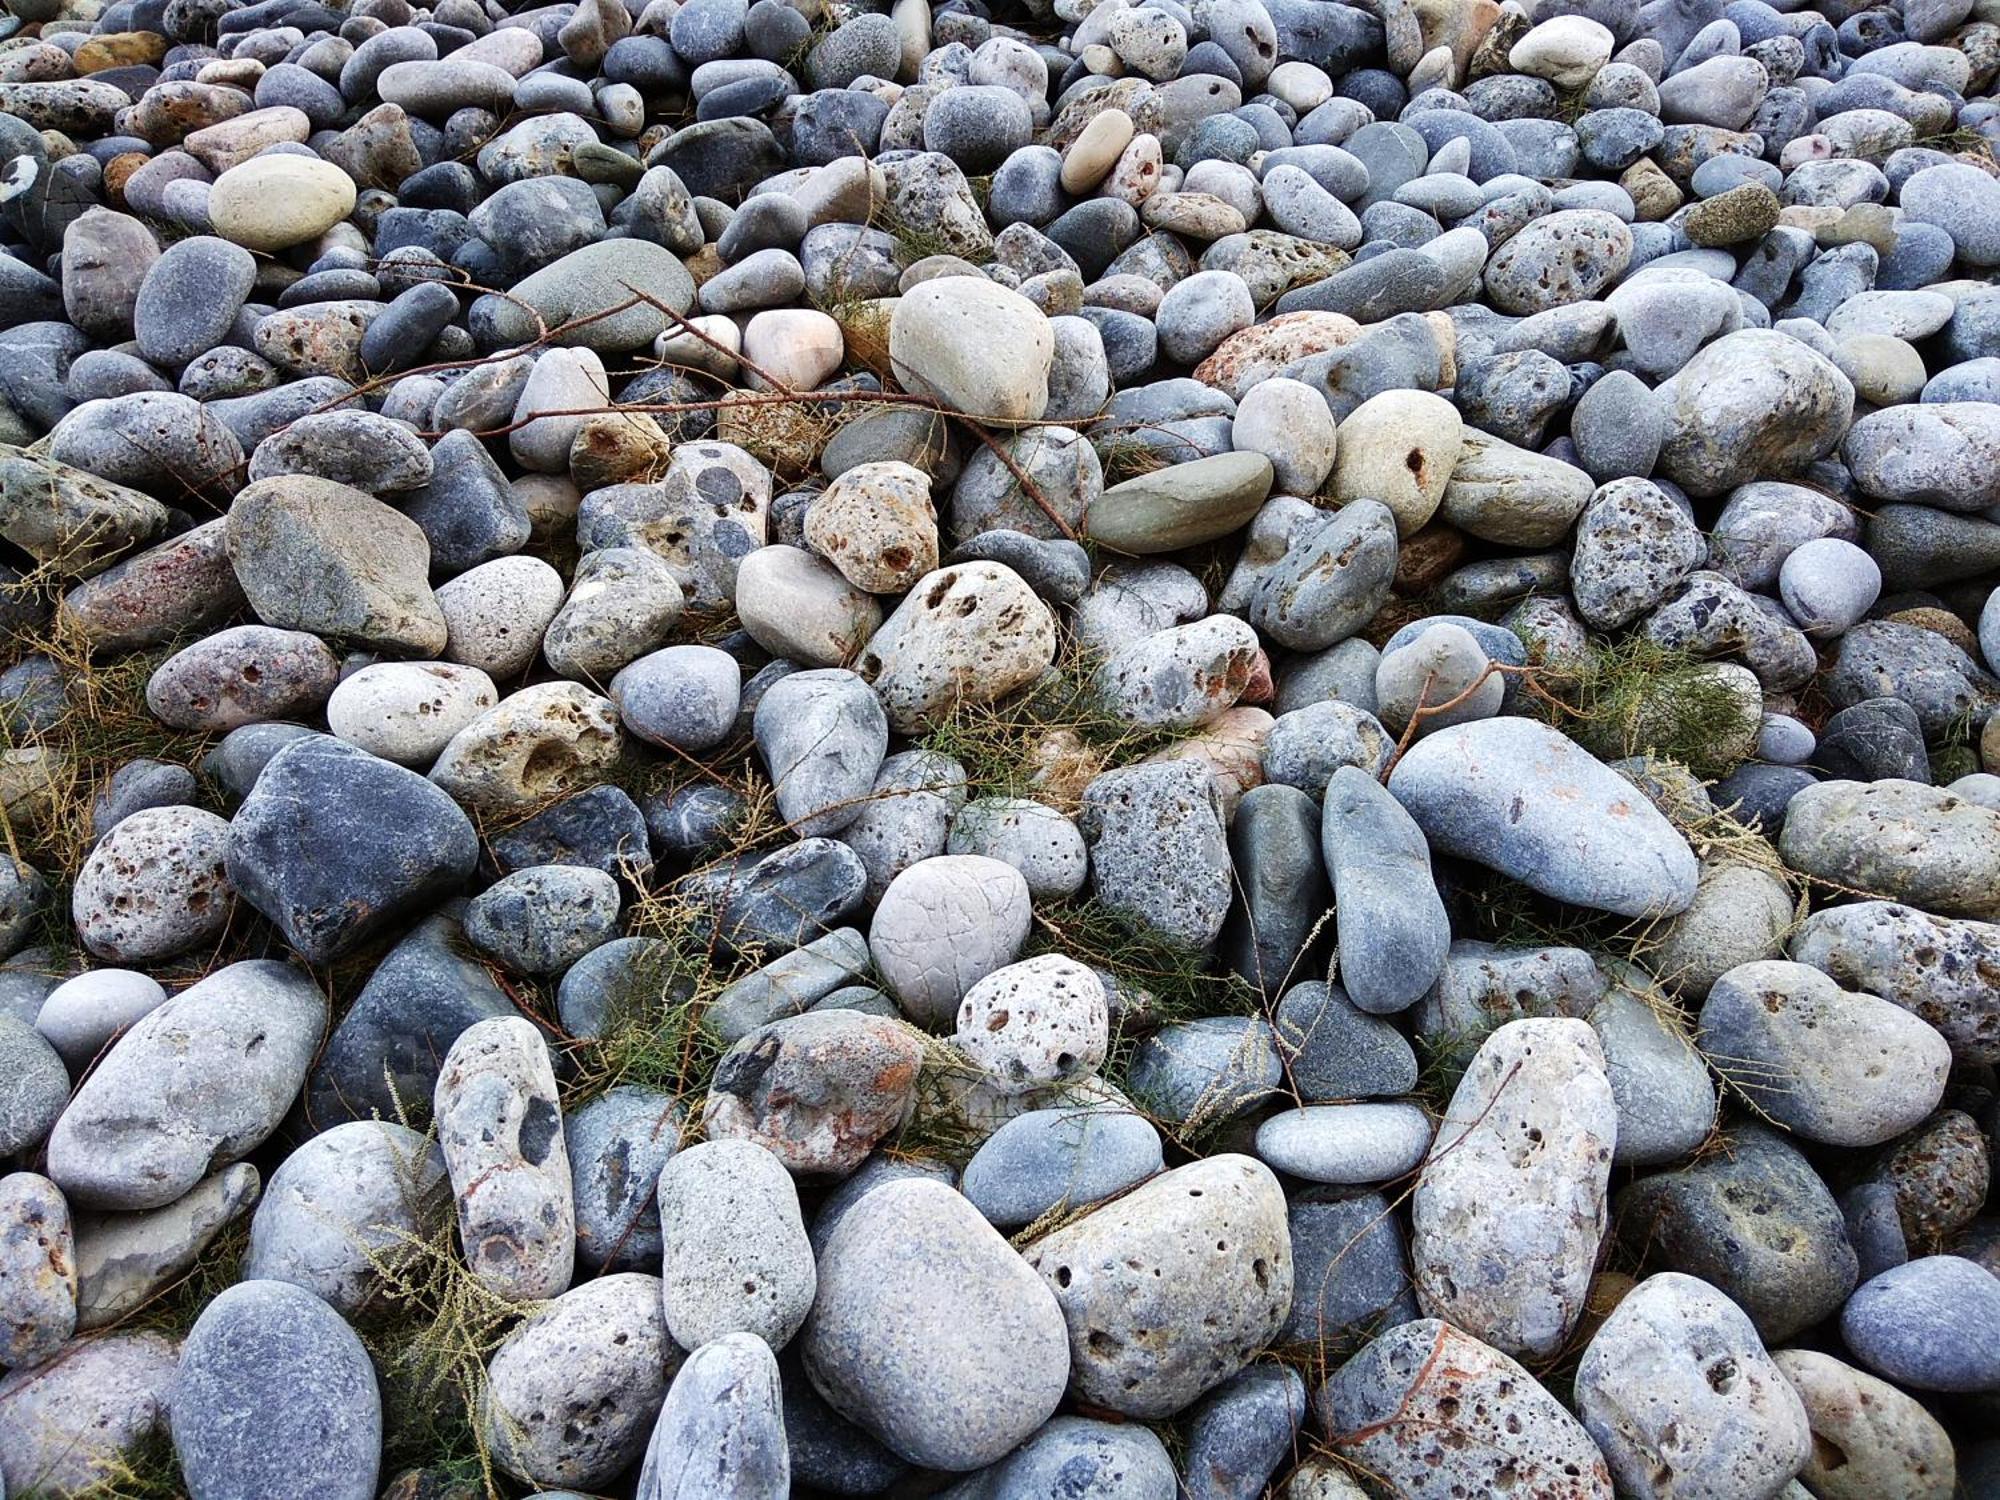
1183	505
199	1082
1928	1324
1523	799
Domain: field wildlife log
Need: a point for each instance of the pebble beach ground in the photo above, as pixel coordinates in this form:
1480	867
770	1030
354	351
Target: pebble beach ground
1238	750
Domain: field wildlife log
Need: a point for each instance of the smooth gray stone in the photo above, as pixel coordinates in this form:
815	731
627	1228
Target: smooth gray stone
1482	791
276	1398
1335	1050
823	736
789	984
1931	1324
1350	1271
1076	1458
1393	931
34	1085
196	1084
1283	892
1067	1157
1241	1432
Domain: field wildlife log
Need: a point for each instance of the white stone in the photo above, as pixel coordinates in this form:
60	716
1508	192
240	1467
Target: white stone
407	711
1510	1208
1039	1022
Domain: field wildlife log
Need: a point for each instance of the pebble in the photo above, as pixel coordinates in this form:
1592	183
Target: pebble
408	712
818	1091
1832	1065
1464	784
944	925
81	1016
574	1391
384	844
1059	1158
1530	1173
736	1255
1034	1024
1867	1437
722	1426
1755	1221
240	1041
155	886
125	1261
1926	1325
1473	1414
38	1282
1678	1391
76	1421
270	1359
1211	1234
346	1196
501	1133
983	1359
1391	925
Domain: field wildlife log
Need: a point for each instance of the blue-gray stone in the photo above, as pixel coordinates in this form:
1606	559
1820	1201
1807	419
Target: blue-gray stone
722	1429
1075	1458
622	983
1521	798
275	1397
1335	1050
1350	1272
384	1056
617	1144
469	513
1158	855
1874	1228
1282	890
34	1086
1204	1072
1931	1324
1067	1157
1874	739
1241	1432
601	828
540	920
1393	933
829	1452
823	736
1753	1220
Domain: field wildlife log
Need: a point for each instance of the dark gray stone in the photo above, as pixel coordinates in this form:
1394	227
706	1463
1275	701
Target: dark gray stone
334	845
1753	1220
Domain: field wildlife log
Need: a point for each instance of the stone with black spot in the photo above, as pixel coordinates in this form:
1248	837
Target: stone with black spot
501	1133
